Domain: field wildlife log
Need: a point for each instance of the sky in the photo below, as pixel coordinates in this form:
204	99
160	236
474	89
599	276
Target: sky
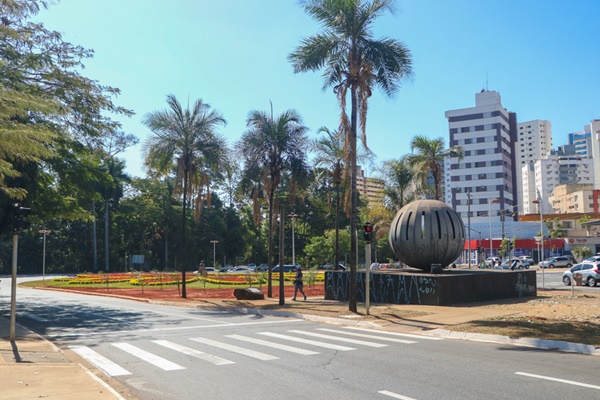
543	57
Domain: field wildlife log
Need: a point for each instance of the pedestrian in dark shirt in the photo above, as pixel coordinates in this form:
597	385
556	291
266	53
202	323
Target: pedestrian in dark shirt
298	284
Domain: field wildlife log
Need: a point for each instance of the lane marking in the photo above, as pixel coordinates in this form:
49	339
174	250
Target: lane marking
339	339
99	361
307	341
387	339
278	346
240	350
144	355
393	333
549	378
395	395
193	352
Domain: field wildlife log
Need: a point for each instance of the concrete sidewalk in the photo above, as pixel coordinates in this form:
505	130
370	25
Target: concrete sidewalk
33	368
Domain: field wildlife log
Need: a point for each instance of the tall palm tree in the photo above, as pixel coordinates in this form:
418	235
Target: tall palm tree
429	158
185	143
354	63
331	154
270	146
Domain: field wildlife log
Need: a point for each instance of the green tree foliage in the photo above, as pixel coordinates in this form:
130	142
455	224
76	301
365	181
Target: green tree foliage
582	252
397	176
354	64
49	114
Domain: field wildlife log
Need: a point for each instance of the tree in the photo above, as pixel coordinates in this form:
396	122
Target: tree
48	112
429	159
270	146
185	143
397	176
582	252
354	64
331	154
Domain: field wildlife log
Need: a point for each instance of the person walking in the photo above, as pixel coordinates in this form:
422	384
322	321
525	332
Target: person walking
298	284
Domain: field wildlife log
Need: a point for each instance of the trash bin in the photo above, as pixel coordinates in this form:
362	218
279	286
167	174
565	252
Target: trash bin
578	279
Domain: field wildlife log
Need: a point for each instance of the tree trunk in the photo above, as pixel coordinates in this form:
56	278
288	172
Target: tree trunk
183	258
270	256
281	255
353	203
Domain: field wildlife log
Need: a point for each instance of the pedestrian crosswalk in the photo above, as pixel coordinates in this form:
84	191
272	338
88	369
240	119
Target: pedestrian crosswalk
263	346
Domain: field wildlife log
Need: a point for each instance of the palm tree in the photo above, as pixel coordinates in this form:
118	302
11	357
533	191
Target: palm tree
397	176
354	63
331	154
268	147
429	158
184	142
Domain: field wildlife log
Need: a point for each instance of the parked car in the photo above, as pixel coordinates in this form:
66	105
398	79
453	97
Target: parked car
527	258
287	268
593	259
557	262
207	269
590	275
240	269
513	264
226	268
262	268
491	261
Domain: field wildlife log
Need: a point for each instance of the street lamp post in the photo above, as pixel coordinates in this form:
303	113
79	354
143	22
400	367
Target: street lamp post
44	231
293	216
502	215
541	256
214	243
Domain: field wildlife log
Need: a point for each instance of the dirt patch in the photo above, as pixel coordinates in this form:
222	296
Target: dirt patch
553	315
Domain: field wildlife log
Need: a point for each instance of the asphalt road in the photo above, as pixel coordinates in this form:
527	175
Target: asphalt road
166	352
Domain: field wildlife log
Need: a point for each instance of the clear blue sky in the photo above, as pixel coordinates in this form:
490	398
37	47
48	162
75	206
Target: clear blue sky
541	56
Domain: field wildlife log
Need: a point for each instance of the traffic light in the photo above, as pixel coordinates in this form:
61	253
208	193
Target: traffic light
510	246
368	232
19	214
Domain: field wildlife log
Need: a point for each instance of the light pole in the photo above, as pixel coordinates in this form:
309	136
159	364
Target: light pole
214	243
541	256
44	231
495	201
293	216
469	224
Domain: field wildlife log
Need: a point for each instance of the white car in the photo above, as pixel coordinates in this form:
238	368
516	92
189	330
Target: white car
529	259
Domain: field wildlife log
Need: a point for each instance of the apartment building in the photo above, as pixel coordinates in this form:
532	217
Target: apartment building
486	133
534	143
568	199
369	188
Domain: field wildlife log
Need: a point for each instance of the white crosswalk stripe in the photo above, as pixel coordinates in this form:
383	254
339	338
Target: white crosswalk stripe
361	337
99	361
240	350
144	355
193	352
274	345
339	339
307	341
369	336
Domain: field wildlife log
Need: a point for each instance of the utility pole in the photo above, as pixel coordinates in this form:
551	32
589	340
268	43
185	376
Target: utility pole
469	230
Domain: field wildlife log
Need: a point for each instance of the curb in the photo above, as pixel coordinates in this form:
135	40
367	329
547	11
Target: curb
558	345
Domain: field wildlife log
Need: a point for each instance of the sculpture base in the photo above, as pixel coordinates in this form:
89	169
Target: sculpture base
449	287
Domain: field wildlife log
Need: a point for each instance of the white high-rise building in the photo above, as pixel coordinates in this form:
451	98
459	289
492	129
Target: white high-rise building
551	172
595	133
486	134
534	143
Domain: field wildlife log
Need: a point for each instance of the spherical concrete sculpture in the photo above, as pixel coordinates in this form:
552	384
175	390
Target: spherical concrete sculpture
427	232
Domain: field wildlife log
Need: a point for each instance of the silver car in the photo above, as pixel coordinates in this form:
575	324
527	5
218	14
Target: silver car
557	262
590	275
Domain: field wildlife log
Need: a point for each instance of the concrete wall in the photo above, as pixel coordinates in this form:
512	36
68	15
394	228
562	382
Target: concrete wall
452	287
